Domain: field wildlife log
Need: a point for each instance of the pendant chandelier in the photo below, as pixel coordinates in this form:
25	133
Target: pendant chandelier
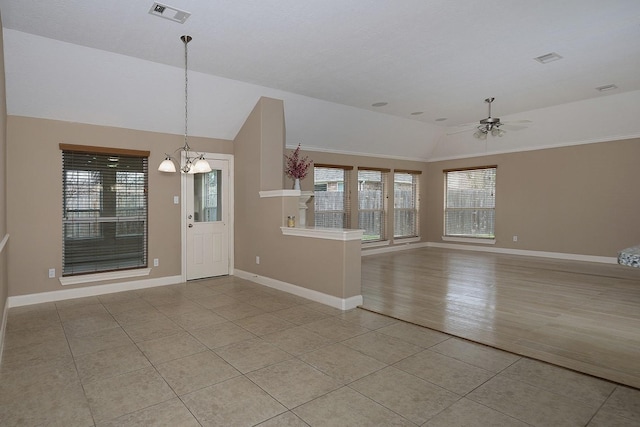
194	162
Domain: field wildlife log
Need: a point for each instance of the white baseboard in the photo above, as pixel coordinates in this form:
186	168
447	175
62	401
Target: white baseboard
3	242
507	251
88	291
394	248
540	254
335	302
5	313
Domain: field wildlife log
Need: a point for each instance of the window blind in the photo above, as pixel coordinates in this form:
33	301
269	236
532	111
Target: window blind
405	204
332	206
104	209
372	203
470	201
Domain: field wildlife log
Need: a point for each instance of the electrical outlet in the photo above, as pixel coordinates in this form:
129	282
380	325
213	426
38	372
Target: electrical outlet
257	260
515	238
156	262
52	273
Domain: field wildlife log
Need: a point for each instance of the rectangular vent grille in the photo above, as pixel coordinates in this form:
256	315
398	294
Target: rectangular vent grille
549	57
169	12
606	88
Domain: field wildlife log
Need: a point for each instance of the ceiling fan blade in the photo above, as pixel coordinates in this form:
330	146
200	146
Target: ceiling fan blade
516	124
512	127
460	131
464	127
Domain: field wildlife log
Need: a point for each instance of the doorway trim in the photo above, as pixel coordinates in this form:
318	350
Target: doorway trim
183	213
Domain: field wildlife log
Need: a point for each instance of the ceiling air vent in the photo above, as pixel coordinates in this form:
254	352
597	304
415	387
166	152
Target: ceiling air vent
549	57
169	12
606	88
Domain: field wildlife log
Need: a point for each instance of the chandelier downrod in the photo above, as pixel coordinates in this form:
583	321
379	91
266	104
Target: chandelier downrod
489	101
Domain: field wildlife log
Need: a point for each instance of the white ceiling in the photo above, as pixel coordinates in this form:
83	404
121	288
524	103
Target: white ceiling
439	57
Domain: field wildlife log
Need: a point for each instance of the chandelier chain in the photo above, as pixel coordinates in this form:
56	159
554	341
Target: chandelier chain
186	94
194	162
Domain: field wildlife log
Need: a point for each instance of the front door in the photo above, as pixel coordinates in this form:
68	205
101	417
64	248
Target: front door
207	241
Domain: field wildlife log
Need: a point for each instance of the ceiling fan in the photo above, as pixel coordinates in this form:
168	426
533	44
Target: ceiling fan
489	125
492	125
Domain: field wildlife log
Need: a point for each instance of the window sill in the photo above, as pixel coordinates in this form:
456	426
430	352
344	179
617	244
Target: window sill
343	234
478	240
376	244
99	277
403	240
280	193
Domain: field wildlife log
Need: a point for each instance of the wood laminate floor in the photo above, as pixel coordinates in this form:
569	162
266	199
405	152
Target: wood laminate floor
582	316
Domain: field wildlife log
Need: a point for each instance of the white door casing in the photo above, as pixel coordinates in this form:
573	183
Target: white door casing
207	208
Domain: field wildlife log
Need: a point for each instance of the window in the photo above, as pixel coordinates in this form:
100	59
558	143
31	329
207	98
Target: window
104	206
331	196
405	204
208	206
371	203
470	202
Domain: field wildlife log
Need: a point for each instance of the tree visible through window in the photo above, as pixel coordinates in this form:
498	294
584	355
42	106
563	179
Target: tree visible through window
470	202
104	209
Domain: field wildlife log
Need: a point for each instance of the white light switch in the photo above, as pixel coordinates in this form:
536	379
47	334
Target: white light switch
176	200
52	273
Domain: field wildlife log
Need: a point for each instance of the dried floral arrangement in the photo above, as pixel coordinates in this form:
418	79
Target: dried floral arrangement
296	167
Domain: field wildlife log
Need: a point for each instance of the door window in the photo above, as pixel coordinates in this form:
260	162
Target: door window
207	194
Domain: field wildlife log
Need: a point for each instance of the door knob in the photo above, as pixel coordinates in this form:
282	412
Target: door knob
190	216
190	225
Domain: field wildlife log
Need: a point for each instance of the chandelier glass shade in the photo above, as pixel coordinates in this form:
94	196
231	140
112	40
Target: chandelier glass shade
189	161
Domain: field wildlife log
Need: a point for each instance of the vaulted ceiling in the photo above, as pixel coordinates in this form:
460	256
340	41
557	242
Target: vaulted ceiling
431	61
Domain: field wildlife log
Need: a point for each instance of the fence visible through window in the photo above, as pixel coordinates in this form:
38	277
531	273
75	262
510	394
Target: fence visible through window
406	206
470	203
371	204
331	201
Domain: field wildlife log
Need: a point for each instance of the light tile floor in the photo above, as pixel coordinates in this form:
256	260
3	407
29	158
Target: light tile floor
230	352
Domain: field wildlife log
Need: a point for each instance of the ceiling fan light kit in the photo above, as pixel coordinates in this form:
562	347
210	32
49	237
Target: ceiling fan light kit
489	125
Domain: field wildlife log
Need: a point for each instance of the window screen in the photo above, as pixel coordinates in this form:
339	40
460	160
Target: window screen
331	196
405	204
371	203
470	202
104	206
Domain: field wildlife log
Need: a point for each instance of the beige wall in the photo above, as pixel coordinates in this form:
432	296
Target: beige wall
34	204
577	200
327	266
581	199
363	162
4	278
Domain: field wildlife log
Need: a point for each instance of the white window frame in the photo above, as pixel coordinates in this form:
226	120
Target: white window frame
375	206
345	212
479	209
413	206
